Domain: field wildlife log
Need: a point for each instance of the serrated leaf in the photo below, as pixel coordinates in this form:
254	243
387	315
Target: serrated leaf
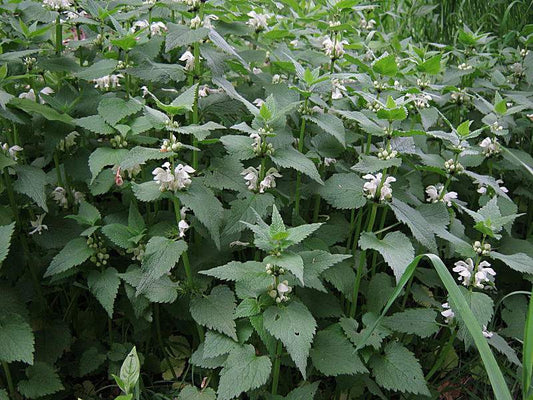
104	286
333	354
97	70
300	233
31	182
386	65
292	262
32	107
243	371
90	360
518	261
146	191
119	234
217	344
113	109
192	393
343	191
42	381
104	156
316	262
16	337
395	247
95	124
331	125
247	308
292	158
398	370
235	270
238	146
416	321
183	35
74	253
216	310
6	231
416	222
295	326
371	164
160	256
205	206
431	66
139	155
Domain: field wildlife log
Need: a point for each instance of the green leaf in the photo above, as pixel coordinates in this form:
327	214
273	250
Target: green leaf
305	392
431	66
243	371
104	286
16	337
295	326
332	125
74	253
290	261
6	231
398	370
119	234
97	70
343	191
32	107
235	270
114	110
464	128
316	262
371	164
216	310
104	156
87	214
95	124
42	381
415	321
416	222
90	360
157	72
31	182
217	344
193	393
520	262
130	371
333	354
160	256
183	35
392	114
292	158
205	206
386	65
140	155
239	146
247	308
395	247
146	191
300	233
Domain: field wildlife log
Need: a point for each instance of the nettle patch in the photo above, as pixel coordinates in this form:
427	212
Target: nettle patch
222	199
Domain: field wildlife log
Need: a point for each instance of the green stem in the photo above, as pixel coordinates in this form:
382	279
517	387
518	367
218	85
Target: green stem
298	174
58	170
442	355
160	340
362	256
59	36
10	385
276	367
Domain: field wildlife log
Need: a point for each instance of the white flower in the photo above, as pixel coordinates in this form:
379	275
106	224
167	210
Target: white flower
203	91
374	183
334	49
163	176
29	95
490	146
434	194
486	333
465	271
196	22
482	188
38	225
256	145
368	25
448	313
157	28
269	181
329	161
480	276
12	151
188	57
338	88
276	78
251	176
484	275
59	195
183	225
208	19
139	25
108	82
257	21
464	67
259	102
283	289
57	4
78	197
256	70
294	43
182	175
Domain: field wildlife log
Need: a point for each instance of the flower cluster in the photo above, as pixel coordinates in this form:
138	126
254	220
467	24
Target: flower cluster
118	141
183	226
384	154
478	275
334	49
108	82
280	291
482	188
482	249
57	4
100	256
59	195
169	180
377	188
37	225
156	28
448	313
420	100
251	176
436	193
137	252
11	151
257	21
453	167
490	146
171	144
30	94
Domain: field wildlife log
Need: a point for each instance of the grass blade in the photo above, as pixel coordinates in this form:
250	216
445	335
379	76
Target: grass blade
527	356
501	391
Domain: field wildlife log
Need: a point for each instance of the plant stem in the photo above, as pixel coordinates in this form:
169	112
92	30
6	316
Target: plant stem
276	367
299	174
442	355
10	385
362	256
160	340
59	36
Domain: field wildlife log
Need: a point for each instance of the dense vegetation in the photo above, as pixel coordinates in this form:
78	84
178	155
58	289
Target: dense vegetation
266	200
